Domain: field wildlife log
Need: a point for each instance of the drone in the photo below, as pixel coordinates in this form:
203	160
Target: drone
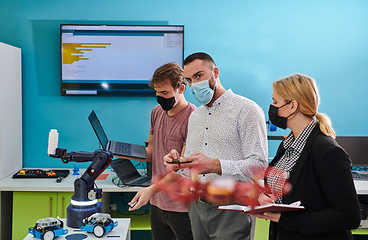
222	190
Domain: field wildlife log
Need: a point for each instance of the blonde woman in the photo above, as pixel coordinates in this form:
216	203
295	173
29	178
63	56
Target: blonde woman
319	169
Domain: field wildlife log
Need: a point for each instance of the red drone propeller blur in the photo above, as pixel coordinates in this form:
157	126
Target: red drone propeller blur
222	190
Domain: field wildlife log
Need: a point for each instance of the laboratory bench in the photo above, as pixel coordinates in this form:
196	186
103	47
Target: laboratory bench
24	201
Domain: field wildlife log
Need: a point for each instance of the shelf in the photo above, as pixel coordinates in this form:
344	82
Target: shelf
360	231
140	220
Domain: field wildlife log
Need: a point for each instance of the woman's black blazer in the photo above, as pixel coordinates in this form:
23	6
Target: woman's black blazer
322	180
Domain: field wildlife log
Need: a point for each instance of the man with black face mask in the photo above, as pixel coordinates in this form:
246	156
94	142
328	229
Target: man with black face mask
169	125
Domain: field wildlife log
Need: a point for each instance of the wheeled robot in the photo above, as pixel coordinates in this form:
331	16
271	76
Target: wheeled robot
98	224
48	228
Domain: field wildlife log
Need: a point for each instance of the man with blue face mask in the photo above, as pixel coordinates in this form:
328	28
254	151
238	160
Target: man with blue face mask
202	91
227	135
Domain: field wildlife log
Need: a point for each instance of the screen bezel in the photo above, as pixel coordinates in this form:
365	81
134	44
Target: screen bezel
125	89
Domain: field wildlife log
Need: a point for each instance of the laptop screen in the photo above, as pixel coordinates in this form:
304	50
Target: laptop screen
357	148
96	125
124	169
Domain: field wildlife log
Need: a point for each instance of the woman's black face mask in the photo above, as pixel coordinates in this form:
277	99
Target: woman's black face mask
275	118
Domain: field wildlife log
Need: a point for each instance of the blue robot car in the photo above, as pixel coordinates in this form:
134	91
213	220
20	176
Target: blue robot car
98	224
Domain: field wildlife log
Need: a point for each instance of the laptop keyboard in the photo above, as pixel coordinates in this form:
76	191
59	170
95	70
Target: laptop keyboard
360	176
124	148
140	181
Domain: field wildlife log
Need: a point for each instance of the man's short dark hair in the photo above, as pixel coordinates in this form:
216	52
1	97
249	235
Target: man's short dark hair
201	56
172	71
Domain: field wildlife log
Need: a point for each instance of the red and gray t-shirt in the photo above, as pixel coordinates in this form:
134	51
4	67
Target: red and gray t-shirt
169	132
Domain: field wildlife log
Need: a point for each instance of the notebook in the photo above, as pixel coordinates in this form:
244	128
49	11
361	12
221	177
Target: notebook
265	208
129	175
117	148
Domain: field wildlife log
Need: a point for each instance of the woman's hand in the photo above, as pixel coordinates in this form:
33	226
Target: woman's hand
274	217
265	199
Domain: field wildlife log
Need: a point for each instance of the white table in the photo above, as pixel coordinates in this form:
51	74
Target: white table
66	185
9	185
121	231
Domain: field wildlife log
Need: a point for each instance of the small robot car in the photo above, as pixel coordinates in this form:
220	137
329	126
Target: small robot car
99	224
48	228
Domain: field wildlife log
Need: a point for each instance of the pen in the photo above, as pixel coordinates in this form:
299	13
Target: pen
267	194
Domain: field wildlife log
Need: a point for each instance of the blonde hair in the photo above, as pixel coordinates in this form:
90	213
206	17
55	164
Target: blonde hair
303	89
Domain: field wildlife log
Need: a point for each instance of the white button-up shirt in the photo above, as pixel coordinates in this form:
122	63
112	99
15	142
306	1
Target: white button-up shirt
233	131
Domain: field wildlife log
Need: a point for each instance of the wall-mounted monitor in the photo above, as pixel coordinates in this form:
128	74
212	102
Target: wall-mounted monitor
116	60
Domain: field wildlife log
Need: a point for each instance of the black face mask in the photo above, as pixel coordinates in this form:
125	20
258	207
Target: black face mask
275	118
166	103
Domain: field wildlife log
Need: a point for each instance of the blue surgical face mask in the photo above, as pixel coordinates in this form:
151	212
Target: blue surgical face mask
202	91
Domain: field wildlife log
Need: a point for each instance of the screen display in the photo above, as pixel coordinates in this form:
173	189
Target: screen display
357	148
116	60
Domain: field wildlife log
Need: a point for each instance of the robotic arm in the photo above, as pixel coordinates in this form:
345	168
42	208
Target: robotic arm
83	186
84	191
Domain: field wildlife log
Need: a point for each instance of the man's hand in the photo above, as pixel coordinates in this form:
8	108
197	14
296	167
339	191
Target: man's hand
169	158
173	155
142	197
206	164
198	160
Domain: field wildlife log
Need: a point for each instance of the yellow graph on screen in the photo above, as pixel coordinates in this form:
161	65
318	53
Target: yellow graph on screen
73	52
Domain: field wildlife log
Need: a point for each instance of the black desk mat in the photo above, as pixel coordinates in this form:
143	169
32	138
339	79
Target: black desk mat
38	173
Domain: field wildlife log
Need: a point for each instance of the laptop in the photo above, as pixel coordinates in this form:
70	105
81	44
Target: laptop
357	148
117	148
129	175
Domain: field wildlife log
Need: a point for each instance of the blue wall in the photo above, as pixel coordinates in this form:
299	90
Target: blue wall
252	42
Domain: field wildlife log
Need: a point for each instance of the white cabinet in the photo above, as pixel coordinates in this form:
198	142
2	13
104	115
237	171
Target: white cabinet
11	146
